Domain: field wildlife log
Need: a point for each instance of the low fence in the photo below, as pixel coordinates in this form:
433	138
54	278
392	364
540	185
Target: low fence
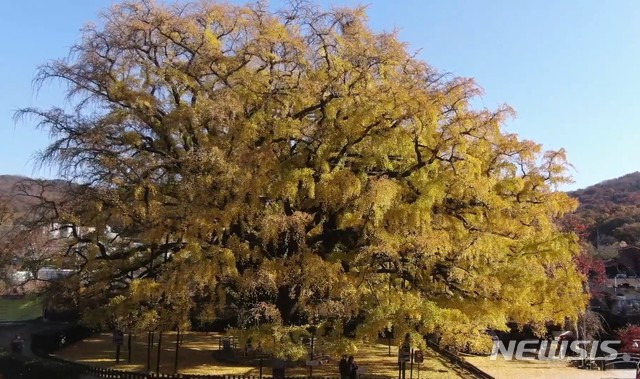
622	361
105	373
108	373
453	358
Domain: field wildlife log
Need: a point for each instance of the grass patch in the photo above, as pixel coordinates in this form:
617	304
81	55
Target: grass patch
20	308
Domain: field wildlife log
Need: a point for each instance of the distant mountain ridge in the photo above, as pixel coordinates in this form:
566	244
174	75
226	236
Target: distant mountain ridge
8	182
611	210
624	190
12	188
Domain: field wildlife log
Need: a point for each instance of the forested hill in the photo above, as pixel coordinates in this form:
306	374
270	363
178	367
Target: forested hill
9	189
13	189
611	210
8	183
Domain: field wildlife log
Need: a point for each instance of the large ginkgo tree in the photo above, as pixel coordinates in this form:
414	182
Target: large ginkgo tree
295	172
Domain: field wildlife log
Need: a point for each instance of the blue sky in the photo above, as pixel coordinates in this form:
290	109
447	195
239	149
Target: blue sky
571	69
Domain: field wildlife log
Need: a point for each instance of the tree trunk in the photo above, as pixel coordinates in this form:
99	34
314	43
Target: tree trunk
149	343
129	349
175	363
159	351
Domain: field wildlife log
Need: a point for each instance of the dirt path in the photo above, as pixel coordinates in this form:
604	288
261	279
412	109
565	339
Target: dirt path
196	357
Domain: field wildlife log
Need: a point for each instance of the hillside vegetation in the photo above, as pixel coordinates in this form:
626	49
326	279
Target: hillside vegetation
16	191
610	210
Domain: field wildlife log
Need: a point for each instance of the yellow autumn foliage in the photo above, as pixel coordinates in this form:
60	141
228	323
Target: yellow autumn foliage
296	170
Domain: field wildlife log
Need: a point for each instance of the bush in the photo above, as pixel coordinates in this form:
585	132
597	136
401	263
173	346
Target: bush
17	367
629	337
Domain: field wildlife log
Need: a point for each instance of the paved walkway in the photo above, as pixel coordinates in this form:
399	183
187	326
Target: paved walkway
503	369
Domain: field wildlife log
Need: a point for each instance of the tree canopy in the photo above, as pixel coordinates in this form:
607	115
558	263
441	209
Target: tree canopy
296	171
